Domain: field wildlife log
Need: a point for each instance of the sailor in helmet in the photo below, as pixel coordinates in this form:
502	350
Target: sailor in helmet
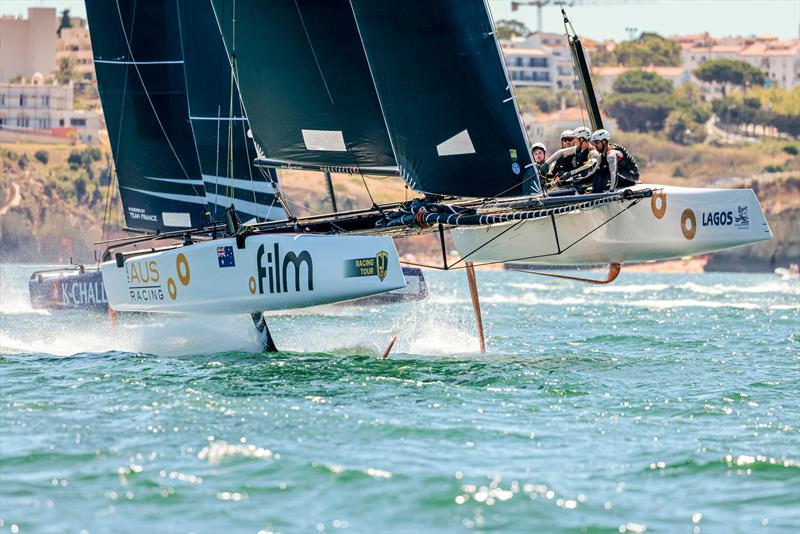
539	153
583	160
615	167
562	161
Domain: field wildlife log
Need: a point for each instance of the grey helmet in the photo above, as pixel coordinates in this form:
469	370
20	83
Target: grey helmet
600	135
582	132
567	133
540	146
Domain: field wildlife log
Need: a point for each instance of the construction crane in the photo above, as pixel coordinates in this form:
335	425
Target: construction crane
540	4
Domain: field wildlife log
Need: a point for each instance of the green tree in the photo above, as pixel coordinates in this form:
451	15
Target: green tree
729	72
637	81
641	101
536	99
65	71
507	28
647	49
644	112
681	127
80	189
690	97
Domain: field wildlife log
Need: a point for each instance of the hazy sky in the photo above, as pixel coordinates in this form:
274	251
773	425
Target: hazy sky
608	19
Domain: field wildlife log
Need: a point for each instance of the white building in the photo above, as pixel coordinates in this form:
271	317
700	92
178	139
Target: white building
542	59
28	45
780	60
46	110
34	45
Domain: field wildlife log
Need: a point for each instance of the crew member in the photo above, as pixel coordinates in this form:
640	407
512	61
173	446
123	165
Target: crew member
583	160
566	138
561	161
615	167
539	153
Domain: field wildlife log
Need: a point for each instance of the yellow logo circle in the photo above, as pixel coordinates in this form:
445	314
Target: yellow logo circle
182	266
658	203
252	285
172	289
688	224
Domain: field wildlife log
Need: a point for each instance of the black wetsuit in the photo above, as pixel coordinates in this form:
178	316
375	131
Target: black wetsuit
624	167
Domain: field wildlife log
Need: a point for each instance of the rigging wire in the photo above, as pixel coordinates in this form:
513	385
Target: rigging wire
277	196
149	100
581	95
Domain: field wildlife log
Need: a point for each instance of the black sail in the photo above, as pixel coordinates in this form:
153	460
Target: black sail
225	144
446	96
140	78
306	83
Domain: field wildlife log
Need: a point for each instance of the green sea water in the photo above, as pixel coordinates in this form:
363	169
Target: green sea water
660	403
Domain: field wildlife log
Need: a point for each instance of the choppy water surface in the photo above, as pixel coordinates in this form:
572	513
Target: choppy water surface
665	403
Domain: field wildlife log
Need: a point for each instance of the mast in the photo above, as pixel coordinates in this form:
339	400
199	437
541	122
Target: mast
579	58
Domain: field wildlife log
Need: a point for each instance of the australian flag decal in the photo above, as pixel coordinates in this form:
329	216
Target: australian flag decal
225	257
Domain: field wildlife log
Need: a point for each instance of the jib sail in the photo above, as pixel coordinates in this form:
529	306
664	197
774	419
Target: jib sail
142	88
225	143
306	84
446	96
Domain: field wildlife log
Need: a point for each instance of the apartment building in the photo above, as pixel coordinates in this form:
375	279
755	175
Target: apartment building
779	59
74	44
46	110
542	60
34	44
28	45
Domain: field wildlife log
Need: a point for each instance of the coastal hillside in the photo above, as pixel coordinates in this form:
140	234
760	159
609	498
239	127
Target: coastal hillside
53	197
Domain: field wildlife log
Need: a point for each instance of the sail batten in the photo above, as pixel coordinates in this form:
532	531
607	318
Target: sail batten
445	96
218	118
306	83
140	80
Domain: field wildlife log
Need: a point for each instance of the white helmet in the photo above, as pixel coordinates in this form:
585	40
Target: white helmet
582	132
600	135
539	146
567	133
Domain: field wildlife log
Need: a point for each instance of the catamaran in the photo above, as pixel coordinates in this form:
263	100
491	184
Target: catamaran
416	89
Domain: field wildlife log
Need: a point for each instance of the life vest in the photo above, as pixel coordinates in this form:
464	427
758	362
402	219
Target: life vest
581	157
627	168
562	165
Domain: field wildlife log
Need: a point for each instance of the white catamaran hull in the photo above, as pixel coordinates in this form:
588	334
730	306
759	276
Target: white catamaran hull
273	271
674	222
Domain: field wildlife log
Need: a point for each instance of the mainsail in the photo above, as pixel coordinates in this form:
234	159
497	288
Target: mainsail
168	106
306	84
225	143
446	96
141	83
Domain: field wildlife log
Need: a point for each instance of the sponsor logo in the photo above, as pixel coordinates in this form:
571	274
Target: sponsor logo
146	294
742	220
377	266
717	218
512	152
273	268
143	281
81	293
225	257
142	272
138	214
515	167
